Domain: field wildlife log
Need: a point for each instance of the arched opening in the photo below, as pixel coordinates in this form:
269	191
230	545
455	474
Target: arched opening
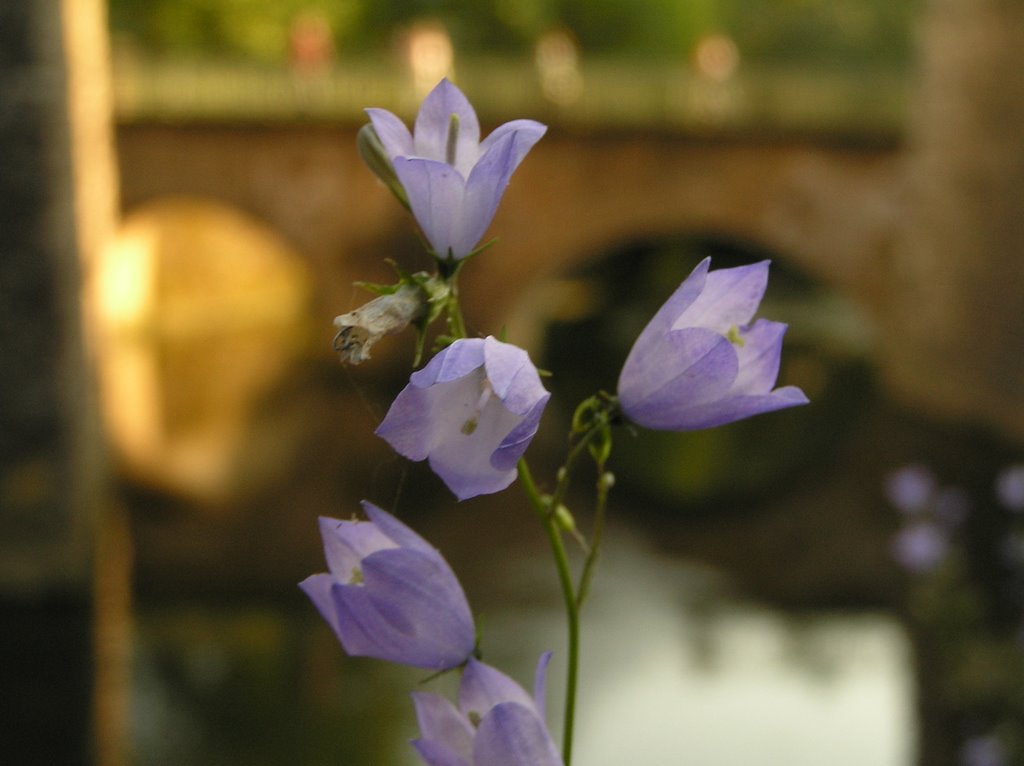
608	306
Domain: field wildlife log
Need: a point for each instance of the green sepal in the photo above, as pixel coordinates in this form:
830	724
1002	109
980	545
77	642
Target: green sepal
376	289
450	266
600	445
438	294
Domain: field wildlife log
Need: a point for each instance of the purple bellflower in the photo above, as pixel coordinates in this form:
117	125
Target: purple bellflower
390	595
496	722
452	180
471	412
699	363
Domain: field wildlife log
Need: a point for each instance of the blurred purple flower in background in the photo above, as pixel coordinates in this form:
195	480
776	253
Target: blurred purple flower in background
983	751
496	722
390	595
920	547
471	412
699	363
1010	487
452	180
932	514
911	488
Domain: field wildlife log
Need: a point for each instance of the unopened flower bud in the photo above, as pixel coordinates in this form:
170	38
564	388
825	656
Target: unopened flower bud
565	518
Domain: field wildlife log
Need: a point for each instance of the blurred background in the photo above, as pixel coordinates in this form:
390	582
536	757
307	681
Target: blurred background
184	212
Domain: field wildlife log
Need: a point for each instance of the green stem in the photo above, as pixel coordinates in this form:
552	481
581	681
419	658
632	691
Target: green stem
565	472
456	324
544	509
604	483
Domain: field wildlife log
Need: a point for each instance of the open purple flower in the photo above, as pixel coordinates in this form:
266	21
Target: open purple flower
471	412
452	180
699	363
390	595
495	724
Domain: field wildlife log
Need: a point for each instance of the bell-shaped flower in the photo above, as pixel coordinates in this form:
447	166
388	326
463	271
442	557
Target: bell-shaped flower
453	182
699	363
390	595
496	722
471	412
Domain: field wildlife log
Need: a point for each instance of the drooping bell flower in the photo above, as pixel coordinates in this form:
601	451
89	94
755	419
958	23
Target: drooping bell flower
471	412
452	181
496	722
390	595
700	363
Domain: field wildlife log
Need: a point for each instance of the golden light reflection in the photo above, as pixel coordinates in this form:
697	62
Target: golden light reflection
715	95
716	57
429	55
557	58
200	312
124	282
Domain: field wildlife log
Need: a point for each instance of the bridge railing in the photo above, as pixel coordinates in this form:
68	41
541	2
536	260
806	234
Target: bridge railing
604	95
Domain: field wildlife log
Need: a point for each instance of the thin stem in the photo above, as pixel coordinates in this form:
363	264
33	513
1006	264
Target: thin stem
565	471
604	483
533	494
544	508
456	324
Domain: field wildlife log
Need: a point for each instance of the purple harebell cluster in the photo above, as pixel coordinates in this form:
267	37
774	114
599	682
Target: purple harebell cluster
471	413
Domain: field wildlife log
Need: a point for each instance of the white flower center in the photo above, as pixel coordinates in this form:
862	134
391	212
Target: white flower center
486	392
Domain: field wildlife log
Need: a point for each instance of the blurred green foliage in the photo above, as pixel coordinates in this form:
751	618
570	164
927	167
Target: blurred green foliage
832	33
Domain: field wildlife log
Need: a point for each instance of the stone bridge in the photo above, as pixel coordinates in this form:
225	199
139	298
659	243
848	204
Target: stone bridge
822	204
825	206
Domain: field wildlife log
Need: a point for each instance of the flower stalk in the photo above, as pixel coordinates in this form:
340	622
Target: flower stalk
543	507
473	410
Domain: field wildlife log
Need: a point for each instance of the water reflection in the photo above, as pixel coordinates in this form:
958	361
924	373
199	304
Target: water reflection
674	670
